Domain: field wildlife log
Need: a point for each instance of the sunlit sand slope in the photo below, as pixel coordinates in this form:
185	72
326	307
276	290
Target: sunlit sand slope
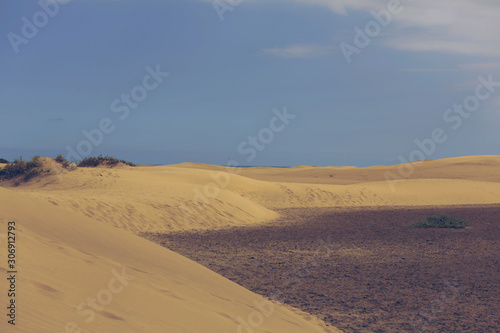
421	192
480	168
151	199
75	272
198	196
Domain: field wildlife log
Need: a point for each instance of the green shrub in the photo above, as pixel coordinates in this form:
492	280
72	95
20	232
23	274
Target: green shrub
34	163
27	169
440	221
3	160
63	161
92	162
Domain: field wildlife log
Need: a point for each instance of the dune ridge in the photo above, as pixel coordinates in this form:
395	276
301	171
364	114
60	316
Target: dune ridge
198	196
65	258
77	232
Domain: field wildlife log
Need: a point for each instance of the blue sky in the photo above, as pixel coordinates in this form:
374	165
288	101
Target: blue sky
225	78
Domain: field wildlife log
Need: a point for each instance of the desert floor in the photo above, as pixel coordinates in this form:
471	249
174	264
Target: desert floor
365	270
329	241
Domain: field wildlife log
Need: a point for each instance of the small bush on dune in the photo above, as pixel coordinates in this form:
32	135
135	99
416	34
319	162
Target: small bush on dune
70	166
111	161
63	161
3	160
440	221
34	163
27	169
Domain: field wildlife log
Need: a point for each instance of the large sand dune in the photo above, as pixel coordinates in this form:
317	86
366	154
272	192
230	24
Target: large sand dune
65	258
76	227
197	196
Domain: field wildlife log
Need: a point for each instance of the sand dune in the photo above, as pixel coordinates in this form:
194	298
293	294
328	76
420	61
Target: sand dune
76	233
481	168
65	258
150	199
198	196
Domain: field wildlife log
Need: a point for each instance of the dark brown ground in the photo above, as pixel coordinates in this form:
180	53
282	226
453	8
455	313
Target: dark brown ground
365	270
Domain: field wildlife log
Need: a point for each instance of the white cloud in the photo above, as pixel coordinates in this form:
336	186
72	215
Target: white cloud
467	27
298	51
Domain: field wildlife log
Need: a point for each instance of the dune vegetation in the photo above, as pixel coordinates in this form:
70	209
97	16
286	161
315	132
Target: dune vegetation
109	161
441	221
22	168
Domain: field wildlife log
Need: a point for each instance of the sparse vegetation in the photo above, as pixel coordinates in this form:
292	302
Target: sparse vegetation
18	168
3	160
111	161
440	221
63	161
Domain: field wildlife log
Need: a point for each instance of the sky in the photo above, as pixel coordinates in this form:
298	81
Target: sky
250	82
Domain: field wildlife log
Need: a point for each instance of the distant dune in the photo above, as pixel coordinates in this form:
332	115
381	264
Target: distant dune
481	168
76	227
198	196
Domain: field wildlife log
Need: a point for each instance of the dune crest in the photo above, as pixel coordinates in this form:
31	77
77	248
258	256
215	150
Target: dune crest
67	262
199	196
